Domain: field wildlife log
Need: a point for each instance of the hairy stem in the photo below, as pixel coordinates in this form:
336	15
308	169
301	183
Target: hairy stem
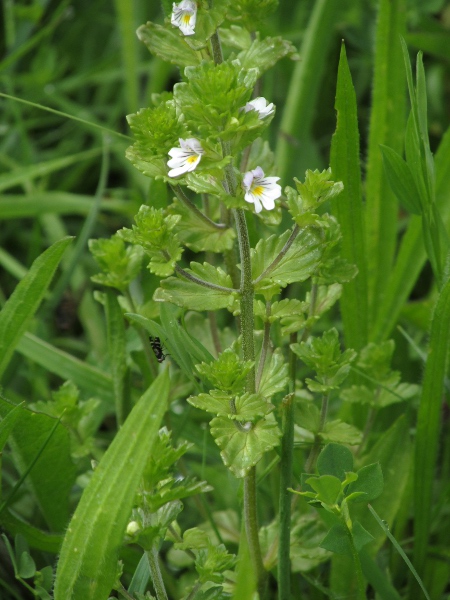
287	451
158	583
248	349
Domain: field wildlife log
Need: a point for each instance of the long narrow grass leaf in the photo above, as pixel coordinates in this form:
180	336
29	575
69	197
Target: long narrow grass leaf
429	424
87	377
66	116
26	298
25	174
386	127
400	551
348	207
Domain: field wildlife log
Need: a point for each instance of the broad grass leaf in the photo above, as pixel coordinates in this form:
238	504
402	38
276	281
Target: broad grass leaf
87	565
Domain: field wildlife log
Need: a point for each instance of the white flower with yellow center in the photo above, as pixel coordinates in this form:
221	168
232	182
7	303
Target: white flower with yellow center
184	15
259	190
186	158
260	105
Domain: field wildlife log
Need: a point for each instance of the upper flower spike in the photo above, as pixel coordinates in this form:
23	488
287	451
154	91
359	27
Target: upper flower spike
260	105
259	190
184	15
186	158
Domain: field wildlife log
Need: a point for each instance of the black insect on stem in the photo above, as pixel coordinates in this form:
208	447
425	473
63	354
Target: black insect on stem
158	349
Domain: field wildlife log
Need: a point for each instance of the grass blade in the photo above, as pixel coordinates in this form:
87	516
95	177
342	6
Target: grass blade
399	550
87	377
429	424
26	298
386	127
305	85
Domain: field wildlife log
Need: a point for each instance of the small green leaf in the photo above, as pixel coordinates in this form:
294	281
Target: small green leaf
361	536
212	561
193	539
325	357
275	376
198	234
327	487
370	481
120	265
26	566
341	433
235	37
337	540
263	54
299	262
188	294
335	460
168	45
242	446
227	372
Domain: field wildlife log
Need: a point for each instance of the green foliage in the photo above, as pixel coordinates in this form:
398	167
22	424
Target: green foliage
153	232
385	387
297	264
325	357
230	300
18	311
334	489
243	445
227	373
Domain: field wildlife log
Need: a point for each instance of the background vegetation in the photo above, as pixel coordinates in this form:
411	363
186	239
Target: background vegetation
62	176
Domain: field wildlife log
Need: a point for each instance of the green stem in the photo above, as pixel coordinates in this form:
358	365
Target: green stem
251	529
194	591
149	354
287	451
316	446
216	48
357	563
158	583
248	349
179	193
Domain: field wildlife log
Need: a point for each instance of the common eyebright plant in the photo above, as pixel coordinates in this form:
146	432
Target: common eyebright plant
204	140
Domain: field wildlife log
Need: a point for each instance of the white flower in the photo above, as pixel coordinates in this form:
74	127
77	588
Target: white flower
184	16
260	105
186	158
260	190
